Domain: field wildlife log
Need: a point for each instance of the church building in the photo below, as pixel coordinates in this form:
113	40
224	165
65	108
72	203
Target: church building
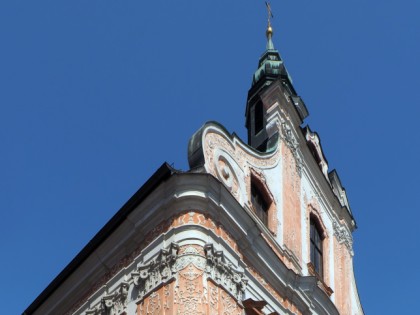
256	227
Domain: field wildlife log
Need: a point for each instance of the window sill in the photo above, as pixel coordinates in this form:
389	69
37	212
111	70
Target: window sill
324	287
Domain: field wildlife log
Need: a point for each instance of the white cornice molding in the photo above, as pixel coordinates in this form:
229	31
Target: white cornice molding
182	192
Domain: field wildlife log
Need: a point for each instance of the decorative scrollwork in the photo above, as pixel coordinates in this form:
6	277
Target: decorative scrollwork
226	174
190	256
223	273
113	303
148	277
187	266
290	140
343	236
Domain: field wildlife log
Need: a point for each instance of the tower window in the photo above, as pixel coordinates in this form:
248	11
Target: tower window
316	248
259	204
258	117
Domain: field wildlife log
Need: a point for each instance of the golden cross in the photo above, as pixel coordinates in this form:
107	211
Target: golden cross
269	12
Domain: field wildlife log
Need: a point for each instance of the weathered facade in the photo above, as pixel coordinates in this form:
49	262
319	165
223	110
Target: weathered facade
257	228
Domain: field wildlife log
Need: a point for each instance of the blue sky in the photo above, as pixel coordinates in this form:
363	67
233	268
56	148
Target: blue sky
95	95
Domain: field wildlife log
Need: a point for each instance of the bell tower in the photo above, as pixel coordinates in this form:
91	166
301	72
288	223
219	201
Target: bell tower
271	69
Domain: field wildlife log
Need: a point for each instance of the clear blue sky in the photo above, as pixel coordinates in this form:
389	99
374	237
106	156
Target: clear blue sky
95	95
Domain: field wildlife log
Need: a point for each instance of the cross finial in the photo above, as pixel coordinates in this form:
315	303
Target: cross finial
269	12
269	31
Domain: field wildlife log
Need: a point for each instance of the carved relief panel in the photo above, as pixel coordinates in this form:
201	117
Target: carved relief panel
230	161
202	283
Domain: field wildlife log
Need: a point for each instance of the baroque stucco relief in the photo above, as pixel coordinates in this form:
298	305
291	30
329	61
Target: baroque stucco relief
231	161
180	280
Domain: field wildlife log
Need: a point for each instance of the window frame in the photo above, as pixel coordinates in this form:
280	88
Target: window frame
316	247
259	203
257	183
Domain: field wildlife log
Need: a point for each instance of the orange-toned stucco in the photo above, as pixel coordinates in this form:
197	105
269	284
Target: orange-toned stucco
189	297
312	210
159	302
220	302
192	293
198	218
180	219
342	272
173	298
286	303
291	203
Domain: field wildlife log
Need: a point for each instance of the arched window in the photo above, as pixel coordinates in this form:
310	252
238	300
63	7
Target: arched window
316	239
259	203
262	202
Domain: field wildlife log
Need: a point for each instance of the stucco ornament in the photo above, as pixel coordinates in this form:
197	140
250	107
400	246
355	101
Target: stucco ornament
343	236
188	268
193	291
113	303
229	159
191	256
290	139
190	292
226	174
312	138
224	274
154	304
93	311
147	277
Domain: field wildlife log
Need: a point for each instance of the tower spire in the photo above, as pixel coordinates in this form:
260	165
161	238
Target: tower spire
270	66
269	31
271	70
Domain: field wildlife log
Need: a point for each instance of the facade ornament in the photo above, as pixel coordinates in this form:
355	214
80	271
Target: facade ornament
190	293
93	311
191	256
343	236
313	140
288	136
223	273
147	277
107	303
291	142
186	267
113	303
338	189
226	174
101	308
154	304
120	297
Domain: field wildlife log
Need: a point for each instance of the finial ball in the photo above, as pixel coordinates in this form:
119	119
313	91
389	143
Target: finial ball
269	31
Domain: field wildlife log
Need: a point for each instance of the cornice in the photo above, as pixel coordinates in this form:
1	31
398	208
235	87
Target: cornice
217	201
196	192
